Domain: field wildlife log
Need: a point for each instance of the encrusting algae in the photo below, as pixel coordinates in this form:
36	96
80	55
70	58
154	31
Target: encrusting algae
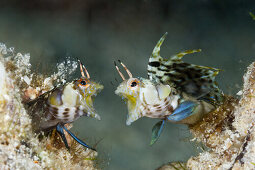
20	147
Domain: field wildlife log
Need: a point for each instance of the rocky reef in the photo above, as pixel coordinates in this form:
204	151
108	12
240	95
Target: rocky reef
20	147
228	133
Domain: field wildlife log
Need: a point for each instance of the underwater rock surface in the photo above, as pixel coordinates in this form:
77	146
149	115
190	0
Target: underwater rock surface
229	132
20	147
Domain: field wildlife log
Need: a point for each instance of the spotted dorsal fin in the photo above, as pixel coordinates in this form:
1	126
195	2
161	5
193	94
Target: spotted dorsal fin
197	81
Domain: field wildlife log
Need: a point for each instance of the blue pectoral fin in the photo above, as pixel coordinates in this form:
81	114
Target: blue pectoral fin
59	129
184	110
78	140
156	131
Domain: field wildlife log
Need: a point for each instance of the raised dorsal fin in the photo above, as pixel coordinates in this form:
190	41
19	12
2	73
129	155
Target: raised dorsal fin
192	79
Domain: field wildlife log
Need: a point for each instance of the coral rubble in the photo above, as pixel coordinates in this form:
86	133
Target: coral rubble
20	147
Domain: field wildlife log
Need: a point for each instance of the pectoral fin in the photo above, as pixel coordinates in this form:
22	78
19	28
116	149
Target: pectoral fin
77	139
156	131
183	111
60	130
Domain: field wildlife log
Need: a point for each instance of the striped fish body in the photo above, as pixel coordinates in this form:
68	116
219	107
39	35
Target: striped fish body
156	100
64	104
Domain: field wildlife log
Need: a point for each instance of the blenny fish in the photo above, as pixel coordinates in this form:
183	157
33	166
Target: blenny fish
175	91
65	104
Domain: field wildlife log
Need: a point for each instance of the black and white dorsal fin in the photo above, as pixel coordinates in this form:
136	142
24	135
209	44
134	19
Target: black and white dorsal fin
197	81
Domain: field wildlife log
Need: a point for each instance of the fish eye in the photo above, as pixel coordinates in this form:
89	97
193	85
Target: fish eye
83	82
133	83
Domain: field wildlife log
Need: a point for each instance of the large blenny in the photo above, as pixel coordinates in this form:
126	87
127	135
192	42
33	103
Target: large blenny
175	91
65	104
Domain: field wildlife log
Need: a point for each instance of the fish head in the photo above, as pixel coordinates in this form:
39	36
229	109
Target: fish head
140	95
75	98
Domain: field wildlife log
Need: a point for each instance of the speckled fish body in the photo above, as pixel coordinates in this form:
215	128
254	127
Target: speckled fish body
171	82
194	80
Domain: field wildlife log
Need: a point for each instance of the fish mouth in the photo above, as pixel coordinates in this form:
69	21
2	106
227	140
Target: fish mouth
124	96
96	88
119	91
91	111
131	103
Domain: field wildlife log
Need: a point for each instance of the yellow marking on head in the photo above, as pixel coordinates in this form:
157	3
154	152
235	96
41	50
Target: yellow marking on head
131	103
132	99
89	101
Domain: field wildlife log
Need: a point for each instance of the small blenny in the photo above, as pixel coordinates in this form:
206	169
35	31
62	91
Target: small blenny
65	104
176	91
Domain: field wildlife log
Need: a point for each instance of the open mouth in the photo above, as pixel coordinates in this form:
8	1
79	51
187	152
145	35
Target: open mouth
119	91
123	95
90	108
96	88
